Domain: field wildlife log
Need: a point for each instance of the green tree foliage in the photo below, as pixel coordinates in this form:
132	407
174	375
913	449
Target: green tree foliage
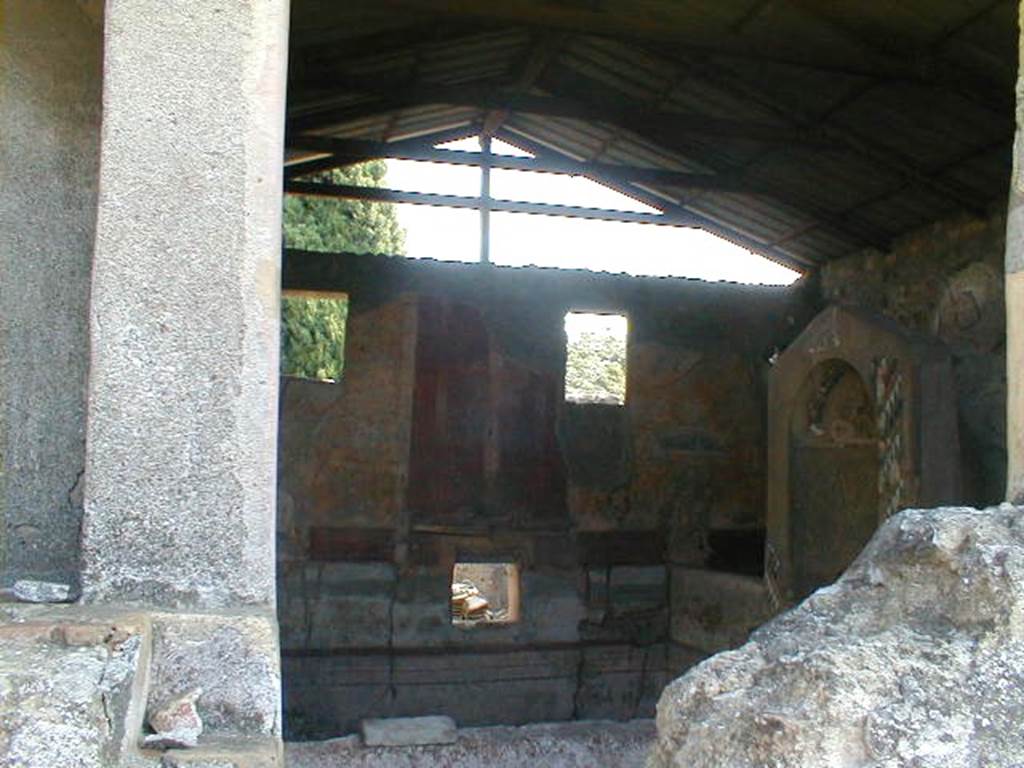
313	329
595	368
313	337
350	226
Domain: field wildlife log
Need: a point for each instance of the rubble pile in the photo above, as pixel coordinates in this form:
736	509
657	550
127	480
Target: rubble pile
470	605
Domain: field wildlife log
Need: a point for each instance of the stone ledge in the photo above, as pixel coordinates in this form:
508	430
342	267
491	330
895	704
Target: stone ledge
227	753
408	731
74	686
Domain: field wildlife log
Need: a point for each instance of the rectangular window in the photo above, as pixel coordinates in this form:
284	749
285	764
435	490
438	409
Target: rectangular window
485	593
595	358
313	327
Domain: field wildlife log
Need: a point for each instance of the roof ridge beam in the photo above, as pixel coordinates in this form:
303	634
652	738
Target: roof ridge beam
487	97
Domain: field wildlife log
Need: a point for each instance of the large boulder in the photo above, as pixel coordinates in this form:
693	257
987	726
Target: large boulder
915	657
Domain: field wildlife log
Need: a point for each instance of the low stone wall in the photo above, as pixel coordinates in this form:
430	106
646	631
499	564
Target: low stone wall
448	440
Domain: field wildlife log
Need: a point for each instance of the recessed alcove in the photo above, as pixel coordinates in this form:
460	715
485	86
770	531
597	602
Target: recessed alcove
861	424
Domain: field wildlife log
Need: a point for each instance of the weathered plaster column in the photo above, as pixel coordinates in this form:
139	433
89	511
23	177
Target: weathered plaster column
1015	305
182	402
180	472
50	75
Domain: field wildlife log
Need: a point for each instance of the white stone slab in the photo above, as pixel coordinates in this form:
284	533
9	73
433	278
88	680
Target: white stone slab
408	731
29	591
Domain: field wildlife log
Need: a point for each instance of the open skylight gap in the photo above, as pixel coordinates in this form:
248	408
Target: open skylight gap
485	230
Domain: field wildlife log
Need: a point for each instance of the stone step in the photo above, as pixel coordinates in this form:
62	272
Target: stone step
226	753
74	686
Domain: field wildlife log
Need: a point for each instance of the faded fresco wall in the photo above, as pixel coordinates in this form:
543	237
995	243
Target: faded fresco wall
448	440
947	280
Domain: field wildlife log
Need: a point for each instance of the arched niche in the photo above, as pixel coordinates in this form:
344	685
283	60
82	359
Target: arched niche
833	473
861	423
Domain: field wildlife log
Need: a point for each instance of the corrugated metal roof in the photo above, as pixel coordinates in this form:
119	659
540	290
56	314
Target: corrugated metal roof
900	113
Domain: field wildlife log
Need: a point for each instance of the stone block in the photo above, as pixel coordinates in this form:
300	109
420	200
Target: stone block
71	690
30	591
620	681
327	606
712	611
232	658
519	686
637	588
408	731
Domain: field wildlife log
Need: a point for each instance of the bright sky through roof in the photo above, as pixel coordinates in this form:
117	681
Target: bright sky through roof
519	239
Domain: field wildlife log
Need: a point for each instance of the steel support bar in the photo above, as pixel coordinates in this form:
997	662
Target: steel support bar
347	151
382	195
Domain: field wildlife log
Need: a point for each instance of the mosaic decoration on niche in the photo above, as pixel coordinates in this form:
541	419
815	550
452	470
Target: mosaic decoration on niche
889	396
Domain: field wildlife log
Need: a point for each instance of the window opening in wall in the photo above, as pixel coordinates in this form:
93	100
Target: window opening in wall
736	551
485	593
595	358
313	327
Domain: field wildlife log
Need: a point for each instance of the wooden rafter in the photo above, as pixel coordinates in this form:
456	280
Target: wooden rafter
955	79
722	166
669	204
335	153
543	50
662	124
851	140
355	150
663	24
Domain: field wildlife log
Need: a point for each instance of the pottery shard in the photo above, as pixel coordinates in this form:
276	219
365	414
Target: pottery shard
177	724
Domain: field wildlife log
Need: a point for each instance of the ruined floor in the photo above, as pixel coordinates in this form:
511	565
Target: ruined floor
580	744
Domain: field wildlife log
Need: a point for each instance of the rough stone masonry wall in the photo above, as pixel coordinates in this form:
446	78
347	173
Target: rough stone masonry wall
448	439
50	59
947	280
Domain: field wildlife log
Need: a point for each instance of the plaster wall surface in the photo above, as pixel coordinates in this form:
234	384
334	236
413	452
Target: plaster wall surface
1014	267
381	492
179	508
50	78
947	280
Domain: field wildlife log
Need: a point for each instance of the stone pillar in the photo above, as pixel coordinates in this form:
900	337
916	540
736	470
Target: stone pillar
1015	306
182	404
50	77
182	414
